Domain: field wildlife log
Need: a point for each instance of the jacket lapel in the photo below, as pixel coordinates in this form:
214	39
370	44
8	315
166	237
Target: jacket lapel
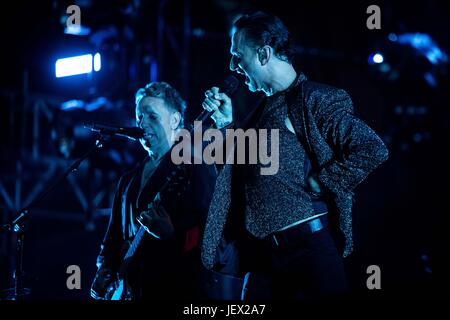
153	184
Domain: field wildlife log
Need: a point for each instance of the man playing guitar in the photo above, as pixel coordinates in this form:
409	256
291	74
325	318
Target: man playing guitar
150	250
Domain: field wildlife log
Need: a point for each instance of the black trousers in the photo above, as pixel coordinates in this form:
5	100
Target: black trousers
306	266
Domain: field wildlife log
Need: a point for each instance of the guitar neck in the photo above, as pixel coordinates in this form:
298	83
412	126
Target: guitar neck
134	245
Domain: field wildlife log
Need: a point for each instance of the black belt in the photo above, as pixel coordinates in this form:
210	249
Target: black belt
283	238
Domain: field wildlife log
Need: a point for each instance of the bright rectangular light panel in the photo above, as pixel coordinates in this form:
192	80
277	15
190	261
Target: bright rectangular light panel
77	65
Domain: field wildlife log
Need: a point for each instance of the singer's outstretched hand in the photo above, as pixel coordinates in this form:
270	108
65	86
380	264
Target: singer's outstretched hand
221	104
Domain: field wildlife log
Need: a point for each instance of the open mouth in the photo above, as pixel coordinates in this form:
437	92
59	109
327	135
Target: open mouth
146	139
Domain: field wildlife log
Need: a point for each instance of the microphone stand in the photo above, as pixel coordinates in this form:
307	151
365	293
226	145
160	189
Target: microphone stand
18	225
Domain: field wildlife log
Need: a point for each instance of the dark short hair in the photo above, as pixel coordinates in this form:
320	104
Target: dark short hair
261	28
165	91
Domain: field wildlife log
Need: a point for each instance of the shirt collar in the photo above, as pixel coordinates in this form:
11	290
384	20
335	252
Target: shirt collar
300	78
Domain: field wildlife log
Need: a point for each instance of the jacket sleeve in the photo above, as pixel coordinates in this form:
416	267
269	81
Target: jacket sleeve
357	148
110	249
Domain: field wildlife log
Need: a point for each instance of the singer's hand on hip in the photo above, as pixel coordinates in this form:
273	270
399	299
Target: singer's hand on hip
220	103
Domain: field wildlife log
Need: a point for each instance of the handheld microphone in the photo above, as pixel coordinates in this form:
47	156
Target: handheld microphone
228	87
133	133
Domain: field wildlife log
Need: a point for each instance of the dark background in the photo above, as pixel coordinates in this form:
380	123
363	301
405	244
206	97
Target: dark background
400	210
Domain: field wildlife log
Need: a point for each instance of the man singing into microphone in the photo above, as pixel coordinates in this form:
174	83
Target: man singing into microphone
166	264
287	226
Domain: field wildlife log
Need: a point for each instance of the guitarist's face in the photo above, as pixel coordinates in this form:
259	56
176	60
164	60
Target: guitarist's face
159	123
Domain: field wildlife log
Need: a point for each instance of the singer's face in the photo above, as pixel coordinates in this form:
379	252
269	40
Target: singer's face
244	61
156	119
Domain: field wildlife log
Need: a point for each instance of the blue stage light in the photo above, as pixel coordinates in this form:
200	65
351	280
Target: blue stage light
424	44
97	62
77	30
77	65
74	65
72	104
392	37
376	58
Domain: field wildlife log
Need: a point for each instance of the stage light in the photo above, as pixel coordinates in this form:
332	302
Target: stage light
425	45
376	58
97	62
392	37
72	104
73	65
97	103
89	106
430	79
65	67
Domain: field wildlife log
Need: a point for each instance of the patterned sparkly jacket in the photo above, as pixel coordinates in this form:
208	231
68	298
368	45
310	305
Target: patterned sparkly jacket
342	148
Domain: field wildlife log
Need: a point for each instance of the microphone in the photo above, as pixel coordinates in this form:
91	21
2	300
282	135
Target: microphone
229	86
132	133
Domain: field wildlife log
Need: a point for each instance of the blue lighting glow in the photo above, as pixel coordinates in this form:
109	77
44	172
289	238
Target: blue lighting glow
74	65
72	104
392	37
89	106
65	67
430	79
423	43
154	71
77	30
97	62
97	104
376	58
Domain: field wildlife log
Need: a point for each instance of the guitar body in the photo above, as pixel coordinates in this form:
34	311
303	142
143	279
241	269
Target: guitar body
119	289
